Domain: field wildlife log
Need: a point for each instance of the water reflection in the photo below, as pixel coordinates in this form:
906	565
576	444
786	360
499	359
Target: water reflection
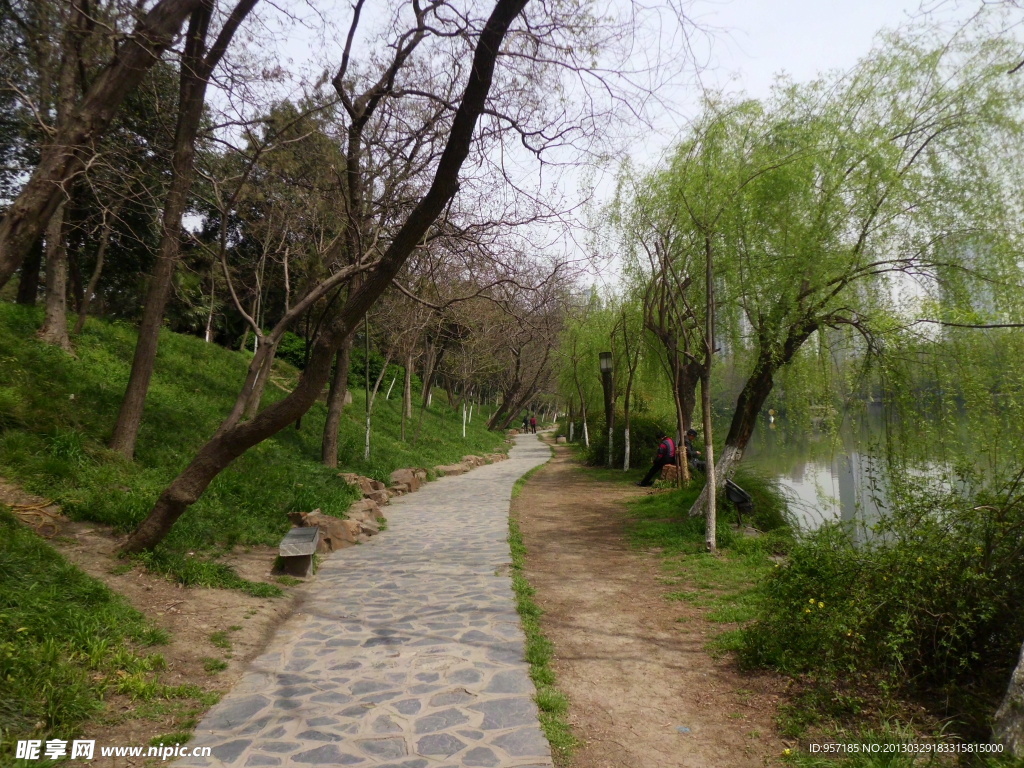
827	476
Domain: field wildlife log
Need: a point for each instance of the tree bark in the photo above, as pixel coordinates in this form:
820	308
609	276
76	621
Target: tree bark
228	444
1008	725
335	405
34	206
28	284
55	326
196	68
407	394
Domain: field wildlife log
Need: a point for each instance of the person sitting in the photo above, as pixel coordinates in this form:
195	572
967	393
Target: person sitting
666	455
692	454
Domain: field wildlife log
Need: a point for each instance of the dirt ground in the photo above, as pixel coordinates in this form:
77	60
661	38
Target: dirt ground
643	691
190	616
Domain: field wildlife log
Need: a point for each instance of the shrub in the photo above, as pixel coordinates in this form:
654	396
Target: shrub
928	595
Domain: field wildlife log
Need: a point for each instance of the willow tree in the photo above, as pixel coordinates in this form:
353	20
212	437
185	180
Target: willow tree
894	174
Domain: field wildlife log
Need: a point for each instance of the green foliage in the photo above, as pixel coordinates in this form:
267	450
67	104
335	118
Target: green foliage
65	639
292	350
929	597
56	413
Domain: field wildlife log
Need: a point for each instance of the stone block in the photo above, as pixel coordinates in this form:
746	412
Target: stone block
560	440
406	477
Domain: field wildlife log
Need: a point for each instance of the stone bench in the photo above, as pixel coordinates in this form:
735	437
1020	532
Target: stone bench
296	552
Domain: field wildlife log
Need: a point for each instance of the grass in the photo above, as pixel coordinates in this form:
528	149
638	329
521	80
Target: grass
66	641
552	703
57	413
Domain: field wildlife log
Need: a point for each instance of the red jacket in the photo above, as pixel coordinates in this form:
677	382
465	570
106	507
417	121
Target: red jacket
667	449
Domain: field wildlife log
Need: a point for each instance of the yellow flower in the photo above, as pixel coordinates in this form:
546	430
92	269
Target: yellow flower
811	601
807	610
787	751
821	604
920	559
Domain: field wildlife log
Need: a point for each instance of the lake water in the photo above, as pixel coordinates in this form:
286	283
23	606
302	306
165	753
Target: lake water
827	476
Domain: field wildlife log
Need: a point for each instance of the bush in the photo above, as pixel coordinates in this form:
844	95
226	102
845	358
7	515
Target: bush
643	440
929	595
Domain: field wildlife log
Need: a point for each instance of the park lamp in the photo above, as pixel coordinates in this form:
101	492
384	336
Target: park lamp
606	362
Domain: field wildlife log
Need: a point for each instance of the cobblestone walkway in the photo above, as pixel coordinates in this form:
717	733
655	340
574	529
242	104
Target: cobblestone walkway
408	652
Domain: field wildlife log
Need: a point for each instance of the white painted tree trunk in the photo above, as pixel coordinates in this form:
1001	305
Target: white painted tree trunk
625	447
463	419
430	398
1008	726
586	435
572	428
388	395
731	456
470	413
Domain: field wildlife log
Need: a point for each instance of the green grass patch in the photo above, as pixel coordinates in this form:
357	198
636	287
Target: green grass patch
65	641
213	666
552	703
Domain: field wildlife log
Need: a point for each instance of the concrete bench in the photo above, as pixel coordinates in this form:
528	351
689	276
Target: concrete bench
296	552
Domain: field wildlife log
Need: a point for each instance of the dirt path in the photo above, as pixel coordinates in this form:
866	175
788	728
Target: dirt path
632	663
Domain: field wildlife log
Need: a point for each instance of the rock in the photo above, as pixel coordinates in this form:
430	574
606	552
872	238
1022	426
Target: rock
368	527
669	473
451	469
335	533
379	497
406	477
473	461
560	440
365	509
420	474
493	457
398	489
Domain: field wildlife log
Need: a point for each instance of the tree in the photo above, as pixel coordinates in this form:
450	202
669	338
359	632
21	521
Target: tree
197	65
87	122
231	441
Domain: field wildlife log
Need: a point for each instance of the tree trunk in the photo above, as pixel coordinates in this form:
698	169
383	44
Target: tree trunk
38	199
195	72
335	405
711	509
252	406
28	284
55	326
1008	725
710	488
228	444
407	394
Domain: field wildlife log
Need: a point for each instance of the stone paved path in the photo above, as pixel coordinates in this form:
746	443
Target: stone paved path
408	652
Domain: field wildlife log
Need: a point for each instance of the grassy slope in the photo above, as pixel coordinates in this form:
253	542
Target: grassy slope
56	412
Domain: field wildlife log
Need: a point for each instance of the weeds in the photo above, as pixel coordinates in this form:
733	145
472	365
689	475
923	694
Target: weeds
552	703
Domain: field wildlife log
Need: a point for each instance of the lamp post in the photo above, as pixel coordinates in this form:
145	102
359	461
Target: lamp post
606	383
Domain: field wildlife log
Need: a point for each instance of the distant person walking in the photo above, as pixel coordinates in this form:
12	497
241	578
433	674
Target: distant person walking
533	423
666	455
526	423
